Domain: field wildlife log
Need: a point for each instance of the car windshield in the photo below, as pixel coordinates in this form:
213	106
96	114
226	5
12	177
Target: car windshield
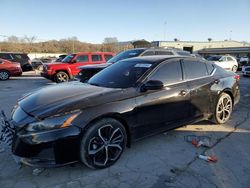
126	54
68	58
214	58
123	74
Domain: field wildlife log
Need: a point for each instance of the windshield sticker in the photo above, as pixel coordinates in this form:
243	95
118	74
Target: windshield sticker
143	65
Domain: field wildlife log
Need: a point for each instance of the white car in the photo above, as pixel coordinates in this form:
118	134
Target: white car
227	62
246	70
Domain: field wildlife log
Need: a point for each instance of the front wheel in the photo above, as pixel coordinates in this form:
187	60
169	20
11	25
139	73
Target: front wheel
223	109
61	77
103	143
4	75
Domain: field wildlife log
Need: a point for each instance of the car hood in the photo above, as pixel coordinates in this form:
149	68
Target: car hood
61	98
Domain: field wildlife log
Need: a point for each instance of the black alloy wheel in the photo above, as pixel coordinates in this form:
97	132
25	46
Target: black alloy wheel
4	75
61	77
103	143
223	109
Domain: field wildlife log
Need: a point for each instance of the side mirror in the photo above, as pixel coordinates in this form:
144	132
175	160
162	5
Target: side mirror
152	85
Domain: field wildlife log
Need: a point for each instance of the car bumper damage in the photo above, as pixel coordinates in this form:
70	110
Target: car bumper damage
51	148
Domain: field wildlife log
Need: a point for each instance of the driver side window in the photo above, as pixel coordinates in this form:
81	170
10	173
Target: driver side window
168	73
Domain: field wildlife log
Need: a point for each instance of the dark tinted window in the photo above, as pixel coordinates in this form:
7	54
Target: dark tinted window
107	57
122	74
5	56
21	56
210	67
214	58
161	52
96	58
148	53
229	59
82	58
194	69
168	73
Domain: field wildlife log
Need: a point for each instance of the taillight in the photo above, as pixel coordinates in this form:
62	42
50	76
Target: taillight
237	77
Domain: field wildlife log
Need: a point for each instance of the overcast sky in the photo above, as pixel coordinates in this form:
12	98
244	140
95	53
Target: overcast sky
93	20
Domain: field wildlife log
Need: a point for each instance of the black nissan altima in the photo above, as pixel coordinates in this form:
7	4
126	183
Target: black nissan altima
94	122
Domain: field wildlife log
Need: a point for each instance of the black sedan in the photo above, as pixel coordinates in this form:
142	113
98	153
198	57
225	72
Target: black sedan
93	122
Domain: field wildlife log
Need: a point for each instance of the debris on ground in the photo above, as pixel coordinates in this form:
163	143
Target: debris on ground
199	141
38	171
208	158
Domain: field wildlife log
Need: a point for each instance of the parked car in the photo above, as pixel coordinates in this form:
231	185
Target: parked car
246	70
227	62
93	122
67	69
242	61
37	64
8	68
147	52
21	58
86	72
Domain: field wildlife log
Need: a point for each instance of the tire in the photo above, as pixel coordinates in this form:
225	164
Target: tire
61	77
103	143
4	75
223	109
234	68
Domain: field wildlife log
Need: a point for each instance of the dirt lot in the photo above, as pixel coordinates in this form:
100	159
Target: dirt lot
164	160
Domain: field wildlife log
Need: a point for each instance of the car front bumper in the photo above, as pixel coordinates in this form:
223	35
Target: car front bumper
50	148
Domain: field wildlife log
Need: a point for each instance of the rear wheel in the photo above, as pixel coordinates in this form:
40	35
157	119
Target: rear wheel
61	77
234	69
103	143
4	75
223	109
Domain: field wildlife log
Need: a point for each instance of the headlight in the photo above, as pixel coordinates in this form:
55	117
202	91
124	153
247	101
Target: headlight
52	123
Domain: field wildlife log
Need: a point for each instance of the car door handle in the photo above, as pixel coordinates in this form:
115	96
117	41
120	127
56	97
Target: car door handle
183	92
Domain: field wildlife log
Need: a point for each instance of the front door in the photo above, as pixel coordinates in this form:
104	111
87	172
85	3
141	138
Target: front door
80	60
166	108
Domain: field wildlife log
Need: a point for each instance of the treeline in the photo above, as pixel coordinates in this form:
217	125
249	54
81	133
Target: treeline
70	45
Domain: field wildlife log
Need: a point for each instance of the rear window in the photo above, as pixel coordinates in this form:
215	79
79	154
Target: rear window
96	58
164	53
194	69
5	56
210	68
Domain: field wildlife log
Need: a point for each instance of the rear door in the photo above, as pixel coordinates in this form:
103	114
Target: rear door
199	83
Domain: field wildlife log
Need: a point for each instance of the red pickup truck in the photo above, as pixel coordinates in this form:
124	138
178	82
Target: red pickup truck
67	69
